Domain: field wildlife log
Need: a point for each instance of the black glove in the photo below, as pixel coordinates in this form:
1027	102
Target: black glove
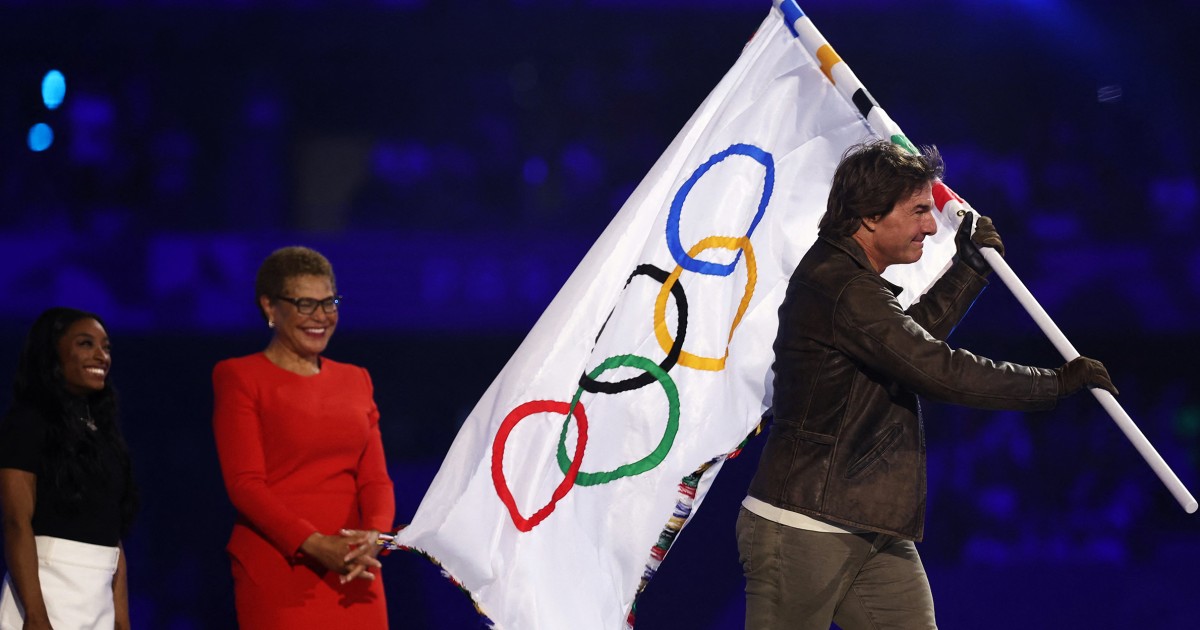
968	245
1083	372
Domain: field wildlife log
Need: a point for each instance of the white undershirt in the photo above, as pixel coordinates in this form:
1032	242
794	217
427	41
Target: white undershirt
793	519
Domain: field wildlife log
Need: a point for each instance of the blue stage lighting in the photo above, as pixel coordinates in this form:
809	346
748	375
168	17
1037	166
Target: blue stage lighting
535	171
54	89
41	136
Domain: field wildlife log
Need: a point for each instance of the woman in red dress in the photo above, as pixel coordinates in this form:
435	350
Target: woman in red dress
298	439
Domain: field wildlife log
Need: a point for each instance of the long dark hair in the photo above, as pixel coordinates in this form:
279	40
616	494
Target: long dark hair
73	450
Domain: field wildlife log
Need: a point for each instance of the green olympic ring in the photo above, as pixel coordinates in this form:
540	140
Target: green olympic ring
664	445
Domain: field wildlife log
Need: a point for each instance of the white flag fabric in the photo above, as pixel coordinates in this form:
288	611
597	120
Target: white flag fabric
572	475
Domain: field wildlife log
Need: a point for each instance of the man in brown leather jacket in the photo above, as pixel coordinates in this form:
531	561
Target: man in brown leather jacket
827	532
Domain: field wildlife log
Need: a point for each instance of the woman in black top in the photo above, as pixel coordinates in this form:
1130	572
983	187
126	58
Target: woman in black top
66	488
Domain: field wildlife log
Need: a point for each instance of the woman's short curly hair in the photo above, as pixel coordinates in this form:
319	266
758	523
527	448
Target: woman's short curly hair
285	263
870	180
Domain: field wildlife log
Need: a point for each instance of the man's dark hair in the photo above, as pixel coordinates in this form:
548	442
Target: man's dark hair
871	178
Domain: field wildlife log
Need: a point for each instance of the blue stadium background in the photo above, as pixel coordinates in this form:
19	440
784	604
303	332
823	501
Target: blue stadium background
456	159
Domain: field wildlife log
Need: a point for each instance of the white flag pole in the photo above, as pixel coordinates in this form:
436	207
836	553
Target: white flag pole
1107	400
853	90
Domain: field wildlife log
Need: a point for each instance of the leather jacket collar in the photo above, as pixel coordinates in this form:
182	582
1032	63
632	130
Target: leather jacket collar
855	251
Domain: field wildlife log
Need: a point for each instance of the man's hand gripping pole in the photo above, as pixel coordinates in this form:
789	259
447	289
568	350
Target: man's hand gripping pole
955	208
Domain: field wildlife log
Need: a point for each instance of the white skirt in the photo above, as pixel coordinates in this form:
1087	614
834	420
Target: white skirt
76	581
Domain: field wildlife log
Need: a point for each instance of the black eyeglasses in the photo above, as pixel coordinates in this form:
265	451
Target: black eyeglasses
308	306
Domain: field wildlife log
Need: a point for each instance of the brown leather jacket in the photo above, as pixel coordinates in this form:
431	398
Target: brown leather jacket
847	444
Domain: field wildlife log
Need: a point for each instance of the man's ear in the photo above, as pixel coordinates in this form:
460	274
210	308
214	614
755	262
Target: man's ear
870	222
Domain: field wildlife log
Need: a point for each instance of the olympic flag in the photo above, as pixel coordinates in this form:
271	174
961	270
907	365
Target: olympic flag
597	441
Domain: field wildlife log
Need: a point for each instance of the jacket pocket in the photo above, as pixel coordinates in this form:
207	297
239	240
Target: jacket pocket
881	446
793	468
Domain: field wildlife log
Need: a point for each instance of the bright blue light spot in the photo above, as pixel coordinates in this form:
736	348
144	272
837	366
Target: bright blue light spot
54	89
535	171
41	136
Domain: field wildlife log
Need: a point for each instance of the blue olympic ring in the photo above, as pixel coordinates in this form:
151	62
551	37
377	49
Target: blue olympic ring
678	251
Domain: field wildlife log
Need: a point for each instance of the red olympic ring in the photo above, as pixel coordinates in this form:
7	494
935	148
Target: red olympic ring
510	422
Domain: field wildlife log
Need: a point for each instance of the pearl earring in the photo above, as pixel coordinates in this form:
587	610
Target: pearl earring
270	323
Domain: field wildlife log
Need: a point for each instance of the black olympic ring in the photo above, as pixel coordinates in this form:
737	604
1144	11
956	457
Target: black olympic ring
593	386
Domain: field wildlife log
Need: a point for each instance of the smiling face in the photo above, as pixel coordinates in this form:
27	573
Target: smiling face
83	355
303	336
898	237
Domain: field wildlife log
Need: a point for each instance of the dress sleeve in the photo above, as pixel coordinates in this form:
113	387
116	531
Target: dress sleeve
376	498
22	438
238	433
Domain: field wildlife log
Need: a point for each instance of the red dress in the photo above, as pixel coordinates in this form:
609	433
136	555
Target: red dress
299	454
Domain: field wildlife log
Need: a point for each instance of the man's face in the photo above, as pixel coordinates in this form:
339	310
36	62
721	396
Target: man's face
898	238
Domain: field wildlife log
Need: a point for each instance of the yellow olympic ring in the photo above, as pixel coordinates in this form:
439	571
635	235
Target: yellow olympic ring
665	341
